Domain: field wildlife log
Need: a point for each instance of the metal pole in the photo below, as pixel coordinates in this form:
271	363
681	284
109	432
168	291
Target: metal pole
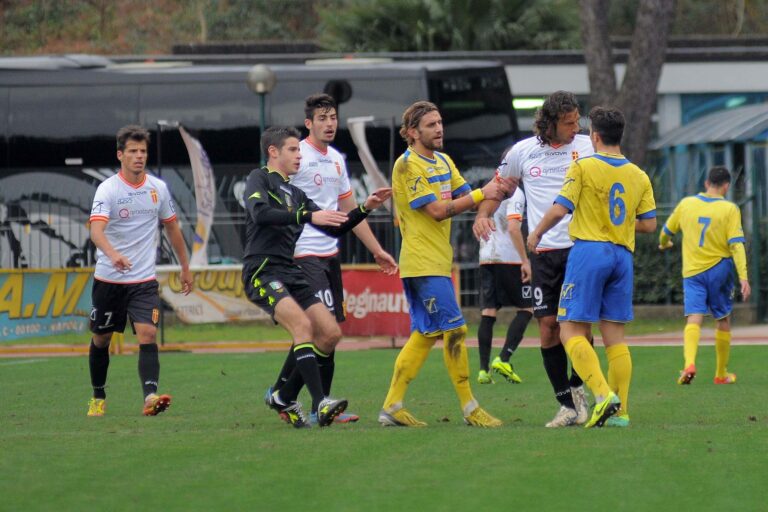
262	125
160	125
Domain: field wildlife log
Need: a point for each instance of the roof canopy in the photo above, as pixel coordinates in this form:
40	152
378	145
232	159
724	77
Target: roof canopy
741	124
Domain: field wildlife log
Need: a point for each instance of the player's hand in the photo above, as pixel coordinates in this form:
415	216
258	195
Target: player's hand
187	283
533	241
483	227
498	189
120	262
525	271
386	263
328	218
377	198
746	290
668	245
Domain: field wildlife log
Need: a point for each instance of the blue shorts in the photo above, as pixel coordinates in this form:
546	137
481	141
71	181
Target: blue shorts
432	303
710	291
598	283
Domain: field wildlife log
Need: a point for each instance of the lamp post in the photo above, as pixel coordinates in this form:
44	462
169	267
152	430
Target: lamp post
261	80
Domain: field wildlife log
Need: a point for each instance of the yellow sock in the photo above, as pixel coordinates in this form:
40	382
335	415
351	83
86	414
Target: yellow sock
409	361
457	363
584	360
620	373
691	336
723	351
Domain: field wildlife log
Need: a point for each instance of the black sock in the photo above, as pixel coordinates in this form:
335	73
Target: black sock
515	334
575	380
485	339
149	368
286	371
306	372
327	365
556	365
98	362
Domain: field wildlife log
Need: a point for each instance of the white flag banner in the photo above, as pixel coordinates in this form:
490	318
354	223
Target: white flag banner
356	126
205	196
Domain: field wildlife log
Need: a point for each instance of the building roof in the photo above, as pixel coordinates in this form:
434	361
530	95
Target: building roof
741	124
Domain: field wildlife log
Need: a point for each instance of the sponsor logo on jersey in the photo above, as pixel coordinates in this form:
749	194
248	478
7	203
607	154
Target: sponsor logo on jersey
125	200
138	193
318	180
124	213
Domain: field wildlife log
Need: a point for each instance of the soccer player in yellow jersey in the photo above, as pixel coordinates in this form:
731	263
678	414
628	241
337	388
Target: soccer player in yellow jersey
713	242
428	190
610	198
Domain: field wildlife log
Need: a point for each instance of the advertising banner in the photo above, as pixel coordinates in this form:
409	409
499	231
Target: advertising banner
218	295
36	303
205	196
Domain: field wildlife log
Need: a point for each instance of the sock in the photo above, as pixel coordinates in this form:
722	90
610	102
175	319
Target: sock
485	339
288	366
691	336
409	361
515	334
575	380
149	368
584	360
98	362
722	351
556	365
306	372
620	373
457	363
327	365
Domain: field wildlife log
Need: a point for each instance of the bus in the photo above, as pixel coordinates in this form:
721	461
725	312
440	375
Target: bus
59	116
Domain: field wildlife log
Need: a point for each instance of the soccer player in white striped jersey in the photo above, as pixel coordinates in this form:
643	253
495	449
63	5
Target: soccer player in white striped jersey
323	177
540	163
124	218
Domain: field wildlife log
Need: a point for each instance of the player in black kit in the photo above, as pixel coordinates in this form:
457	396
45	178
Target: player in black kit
277	212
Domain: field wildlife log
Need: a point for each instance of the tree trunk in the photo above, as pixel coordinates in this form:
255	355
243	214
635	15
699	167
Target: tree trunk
637	97
597	51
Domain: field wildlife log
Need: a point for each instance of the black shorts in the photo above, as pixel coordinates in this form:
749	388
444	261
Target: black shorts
501	285
113	303
266	283
548	270
324	275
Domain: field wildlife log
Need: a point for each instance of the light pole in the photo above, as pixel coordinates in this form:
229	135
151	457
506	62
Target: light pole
261	80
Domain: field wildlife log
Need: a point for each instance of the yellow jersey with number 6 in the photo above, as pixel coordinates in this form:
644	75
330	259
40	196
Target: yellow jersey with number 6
606	193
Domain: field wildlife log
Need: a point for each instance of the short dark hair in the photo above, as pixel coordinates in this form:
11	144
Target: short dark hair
412	117
321	101
554	106
719	176
132	132
608	123
276	136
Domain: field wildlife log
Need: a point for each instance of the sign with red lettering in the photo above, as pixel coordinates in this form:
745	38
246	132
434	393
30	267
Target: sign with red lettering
375	303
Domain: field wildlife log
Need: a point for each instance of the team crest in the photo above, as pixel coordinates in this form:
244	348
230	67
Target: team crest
431	305
416	185
574	155
526	292
338	168
276	285
566	293
153	193
155	315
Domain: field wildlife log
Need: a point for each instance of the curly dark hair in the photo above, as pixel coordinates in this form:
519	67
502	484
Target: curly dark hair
555	105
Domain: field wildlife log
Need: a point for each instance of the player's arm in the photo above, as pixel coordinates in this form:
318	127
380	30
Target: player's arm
554	215
497	189
174	234
363	232
736	243
484	224
100	240
645	222
669	229
514	227
355	216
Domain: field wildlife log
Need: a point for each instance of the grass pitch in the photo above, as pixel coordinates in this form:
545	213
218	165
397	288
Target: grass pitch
698	447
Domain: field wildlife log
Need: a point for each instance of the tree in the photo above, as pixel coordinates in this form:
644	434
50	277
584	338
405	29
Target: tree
637	95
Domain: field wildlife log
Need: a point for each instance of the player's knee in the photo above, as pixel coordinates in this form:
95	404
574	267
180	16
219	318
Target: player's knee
101	340
330	336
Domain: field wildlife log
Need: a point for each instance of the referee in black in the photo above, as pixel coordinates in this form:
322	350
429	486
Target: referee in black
277	212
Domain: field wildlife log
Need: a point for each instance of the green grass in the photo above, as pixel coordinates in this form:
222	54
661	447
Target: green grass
181	333
699	447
